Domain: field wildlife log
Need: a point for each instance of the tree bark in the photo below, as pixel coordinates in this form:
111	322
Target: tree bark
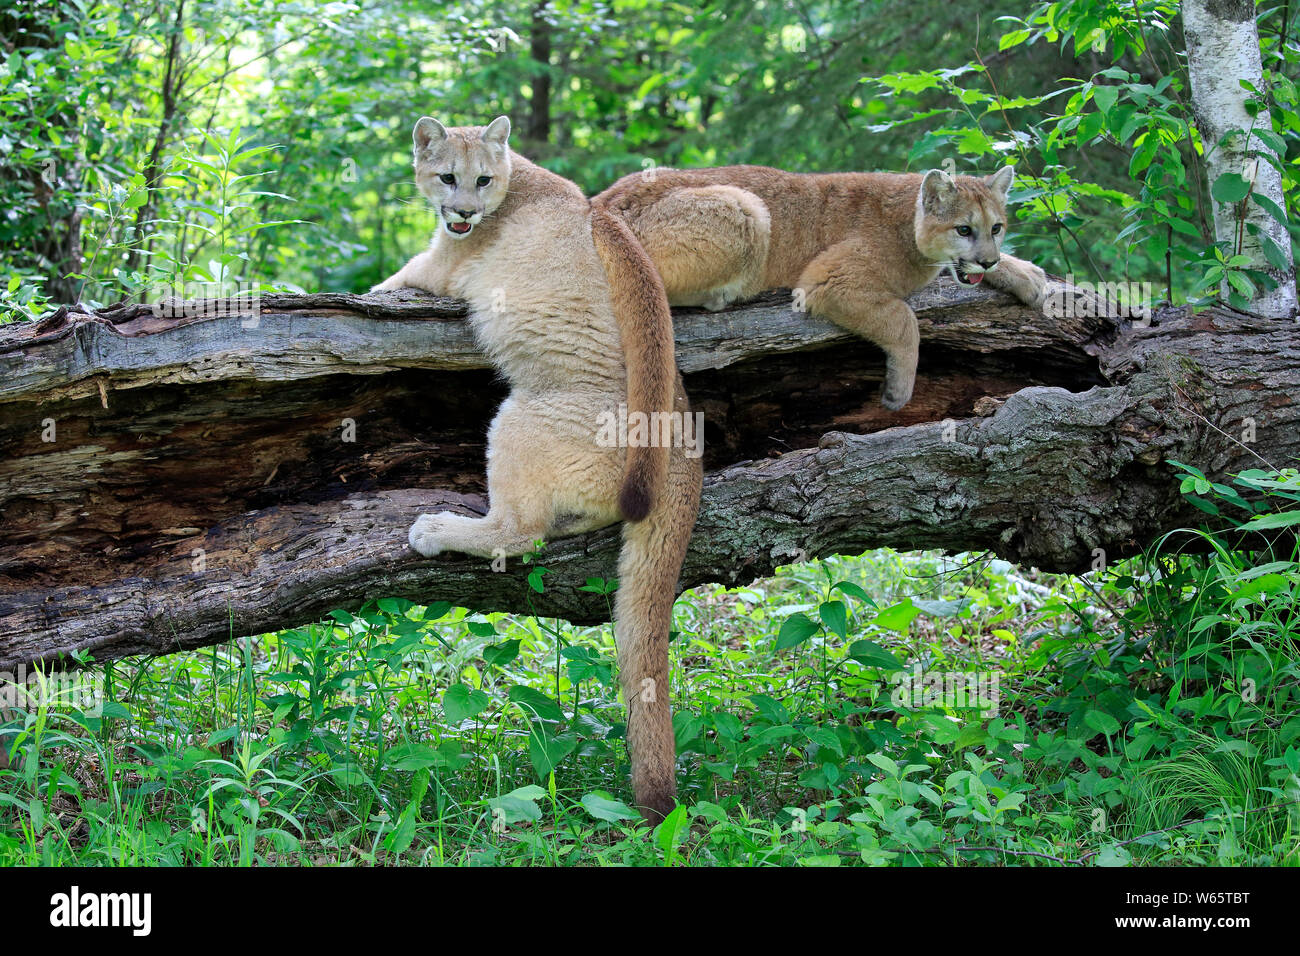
170	482
539	43
1222	52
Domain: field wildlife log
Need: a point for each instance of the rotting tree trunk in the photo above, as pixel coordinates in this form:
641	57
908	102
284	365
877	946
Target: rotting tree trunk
169	483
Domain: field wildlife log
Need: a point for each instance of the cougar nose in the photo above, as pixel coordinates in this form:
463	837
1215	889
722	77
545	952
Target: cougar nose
463	213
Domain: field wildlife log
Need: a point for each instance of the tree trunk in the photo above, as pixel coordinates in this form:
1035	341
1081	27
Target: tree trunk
170	482
1222	51
539	117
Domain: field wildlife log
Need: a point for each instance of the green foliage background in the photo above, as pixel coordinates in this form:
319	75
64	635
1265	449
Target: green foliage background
125	125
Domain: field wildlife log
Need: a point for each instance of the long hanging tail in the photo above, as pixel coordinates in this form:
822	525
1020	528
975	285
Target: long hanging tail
646	327
648	569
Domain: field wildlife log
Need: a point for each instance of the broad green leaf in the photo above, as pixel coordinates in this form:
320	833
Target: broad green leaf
546	752
519	806
1281	519
604	807
795	629
481	628
1105	97
941	608
1102	722
854	591
1230	187
414	756
670	833
835	616
535	703
871	654
399	840
460	703
501	654
898	617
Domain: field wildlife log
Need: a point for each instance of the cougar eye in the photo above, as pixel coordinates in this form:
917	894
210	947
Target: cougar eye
483	181
997	227
963	230
448	178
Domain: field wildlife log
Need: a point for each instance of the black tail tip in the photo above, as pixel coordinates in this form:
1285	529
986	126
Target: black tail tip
635	501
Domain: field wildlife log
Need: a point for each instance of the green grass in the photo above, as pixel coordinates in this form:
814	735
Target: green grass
1142	715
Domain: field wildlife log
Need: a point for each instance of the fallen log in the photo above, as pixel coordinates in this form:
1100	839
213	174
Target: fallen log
173	480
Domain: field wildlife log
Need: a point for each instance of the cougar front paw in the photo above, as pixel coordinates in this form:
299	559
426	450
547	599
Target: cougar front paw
424	535
1034	291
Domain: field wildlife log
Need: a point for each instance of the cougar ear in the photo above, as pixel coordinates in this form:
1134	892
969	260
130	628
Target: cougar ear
1000	182
427	132
937	190
498	131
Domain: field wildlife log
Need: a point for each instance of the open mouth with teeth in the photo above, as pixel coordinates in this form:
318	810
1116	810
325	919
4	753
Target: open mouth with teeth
460	228
968	276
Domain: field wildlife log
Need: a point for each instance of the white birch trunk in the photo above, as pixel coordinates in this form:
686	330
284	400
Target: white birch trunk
1222	50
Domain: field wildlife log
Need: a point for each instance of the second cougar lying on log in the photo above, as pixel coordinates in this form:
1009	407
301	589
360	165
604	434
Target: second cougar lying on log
569	308
856	244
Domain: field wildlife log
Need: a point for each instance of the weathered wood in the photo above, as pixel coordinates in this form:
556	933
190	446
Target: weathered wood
294	337
206	490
